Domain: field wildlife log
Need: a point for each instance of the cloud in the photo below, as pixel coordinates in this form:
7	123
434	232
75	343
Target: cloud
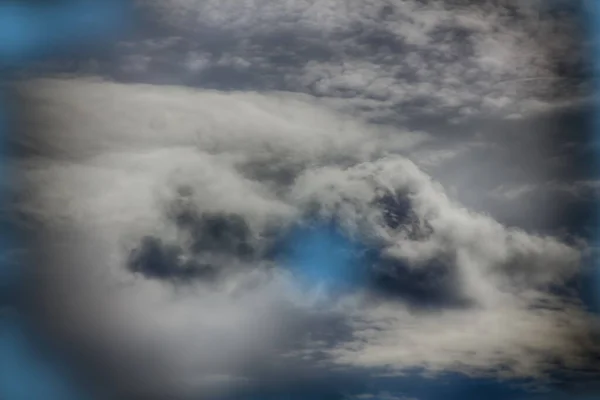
580	189
142	184
497	75
396	59
506	342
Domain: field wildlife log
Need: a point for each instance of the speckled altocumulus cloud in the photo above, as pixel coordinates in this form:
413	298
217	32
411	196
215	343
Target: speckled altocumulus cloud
432	57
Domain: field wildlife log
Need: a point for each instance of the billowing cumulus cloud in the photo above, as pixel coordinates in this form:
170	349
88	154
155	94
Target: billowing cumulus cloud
167	208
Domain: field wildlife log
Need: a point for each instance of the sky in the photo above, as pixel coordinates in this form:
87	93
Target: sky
30	366
325	199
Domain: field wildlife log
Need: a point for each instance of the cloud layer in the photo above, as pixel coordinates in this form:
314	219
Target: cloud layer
136	187
497	85
427	59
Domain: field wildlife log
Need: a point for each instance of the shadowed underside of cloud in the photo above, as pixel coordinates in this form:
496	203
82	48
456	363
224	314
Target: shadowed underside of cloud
190	200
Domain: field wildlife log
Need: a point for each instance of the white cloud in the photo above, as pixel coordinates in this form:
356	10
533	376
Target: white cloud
115	156
481	247
505	342
584	189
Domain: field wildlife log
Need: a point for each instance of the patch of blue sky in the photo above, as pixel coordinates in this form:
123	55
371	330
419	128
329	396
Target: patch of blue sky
30	31
592	20
27	372
413	385
321	256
